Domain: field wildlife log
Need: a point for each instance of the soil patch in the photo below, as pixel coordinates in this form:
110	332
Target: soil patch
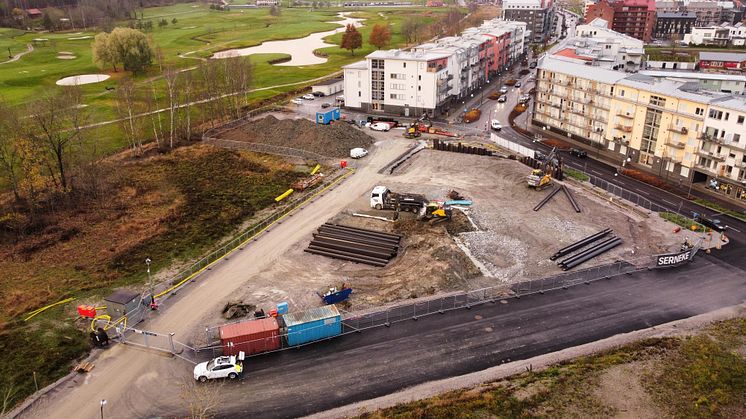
334	140
620	388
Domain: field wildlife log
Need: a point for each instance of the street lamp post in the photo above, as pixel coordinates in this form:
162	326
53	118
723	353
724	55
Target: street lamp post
103	403
150	278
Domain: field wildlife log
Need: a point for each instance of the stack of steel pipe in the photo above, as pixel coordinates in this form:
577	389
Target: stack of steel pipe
354	244
591	247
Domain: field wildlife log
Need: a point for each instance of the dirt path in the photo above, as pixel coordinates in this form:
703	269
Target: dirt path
134	381
30	48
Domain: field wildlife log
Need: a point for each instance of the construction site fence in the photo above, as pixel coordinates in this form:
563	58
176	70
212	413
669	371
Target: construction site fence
183	277
414	309
627	195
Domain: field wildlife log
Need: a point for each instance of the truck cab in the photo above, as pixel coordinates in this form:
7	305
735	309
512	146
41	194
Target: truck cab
383	198
377	196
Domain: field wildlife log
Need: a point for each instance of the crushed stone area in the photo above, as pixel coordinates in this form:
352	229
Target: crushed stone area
334	140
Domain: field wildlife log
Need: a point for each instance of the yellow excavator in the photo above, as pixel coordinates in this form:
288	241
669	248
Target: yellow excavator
542	177
435	212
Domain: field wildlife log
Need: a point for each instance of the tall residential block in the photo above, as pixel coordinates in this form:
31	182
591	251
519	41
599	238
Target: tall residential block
538	15
635	18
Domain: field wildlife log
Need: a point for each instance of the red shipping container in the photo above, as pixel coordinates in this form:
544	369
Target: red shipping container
251	336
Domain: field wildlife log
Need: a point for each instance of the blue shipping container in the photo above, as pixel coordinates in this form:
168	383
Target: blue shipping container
314	324
328	116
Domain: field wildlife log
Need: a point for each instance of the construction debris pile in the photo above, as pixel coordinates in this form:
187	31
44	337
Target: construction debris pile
354	244
460	148
591	248
333	140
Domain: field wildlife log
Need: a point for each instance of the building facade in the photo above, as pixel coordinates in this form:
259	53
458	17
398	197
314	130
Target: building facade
721	35
635	18
663	126
600	46
433	78
722	61
726	83
538	15
673	24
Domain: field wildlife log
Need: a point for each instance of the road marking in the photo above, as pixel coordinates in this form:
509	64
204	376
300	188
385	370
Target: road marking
667	202
646	193
734	229
598	173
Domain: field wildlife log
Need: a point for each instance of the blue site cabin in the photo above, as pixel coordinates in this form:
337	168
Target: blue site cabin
313	324
328	116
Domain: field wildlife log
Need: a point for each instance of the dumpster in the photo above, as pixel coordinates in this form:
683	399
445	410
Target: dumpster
314	324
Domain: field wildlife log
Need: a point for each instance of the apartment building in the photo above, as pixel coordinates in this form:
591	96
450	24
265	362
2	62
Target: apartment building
673	24
538	14
600	46
721	35
708	12
635	18
721	157
716	82
431	78
670	128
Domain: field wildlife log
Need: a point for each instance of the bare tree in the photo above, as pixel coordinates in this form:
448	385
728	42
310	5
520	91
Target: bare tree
209	77
58	119
187	90
202	400
126	107
237	77
155	115
171	76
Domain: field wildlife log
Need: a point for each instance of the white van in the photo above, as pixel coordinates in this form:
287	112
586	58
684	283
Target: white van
358	153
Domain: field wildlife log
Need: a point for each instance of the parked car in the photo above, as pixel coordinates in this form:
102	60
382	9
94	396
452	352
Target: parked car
318	94
326	105
496	125
532	65
517	84
220	367
502	98
380	126
358	153
504	89
578	153
309	96
297	101
524	98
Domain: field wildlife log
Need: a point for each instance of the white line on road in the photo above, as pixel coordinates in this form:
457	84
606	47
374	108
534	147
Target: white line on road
667	202
598	173
646	193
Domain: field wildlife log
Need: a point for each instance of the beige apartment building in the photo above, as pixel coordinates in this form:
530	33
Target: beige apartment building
670	128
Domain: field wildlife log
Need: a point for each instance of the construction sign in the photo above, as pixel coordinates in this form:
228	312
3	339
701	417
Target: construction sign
673	259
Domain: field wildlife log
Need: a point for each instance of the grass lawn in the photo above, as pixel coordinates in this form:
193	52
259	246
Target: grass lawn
200	32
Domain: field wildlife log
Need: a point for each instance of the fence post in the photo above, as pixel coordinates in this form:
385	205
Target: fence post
171	341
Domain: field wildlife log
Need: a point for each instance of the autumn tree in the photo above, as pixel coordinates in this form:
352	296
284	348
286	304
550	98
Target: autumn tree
352	39
10	153
103	53
380	36
127	108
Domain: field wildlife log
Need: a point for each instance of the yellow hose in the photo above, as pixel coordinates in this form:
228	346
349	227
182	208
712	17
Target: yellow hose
284	195
315	169
39	310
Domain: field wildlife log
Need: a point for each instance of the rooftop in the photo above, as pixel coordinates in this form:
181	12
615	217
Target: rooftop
722	56
567	66
360	65
677	15
330	81
694	75
669	88
734	102
397	54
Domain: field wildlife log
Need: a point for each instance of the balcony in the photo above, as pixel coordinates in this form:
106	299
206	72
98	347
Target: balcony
625	115
623	128
711	155
711	138
680	146
620	140
678	130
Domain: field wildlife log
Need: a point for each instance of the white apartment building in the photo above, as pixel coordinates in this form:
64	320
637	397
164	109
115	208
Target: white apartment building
721	157
716	82
722	35
600	46
432	77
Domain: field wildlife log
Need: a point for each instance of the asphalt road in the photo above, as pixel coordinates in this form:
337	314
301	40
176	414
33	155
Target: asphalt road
383	360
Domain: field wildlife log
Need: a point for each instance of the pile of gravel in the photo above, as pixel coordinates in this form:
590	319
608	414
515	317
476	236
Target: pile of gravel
333	140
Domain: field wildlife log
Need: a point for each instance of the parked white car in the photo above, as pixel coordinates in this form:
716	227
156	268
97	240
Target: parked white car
504	89
308	96
297	101
380	126
220	367
496	125
358	153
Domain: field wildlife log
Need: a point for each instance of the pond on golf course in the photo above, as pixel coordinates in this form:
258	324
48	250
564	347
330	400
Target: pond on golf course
301	49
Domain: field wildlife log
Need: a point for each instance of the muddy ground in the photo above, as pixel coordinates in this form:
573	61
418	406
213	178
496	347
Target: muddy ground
505	240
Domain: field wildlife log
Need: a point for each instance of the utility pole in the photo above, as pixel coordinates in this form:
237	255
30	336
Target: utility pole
103	403
150	278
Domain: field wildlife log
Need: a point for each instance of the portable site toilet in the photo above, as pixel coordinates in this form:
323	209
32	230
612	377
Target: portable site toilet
122	302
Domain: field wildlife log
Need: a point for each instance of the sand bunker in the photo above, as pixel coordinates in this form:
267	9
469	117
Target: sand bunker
65	55
82	79
77	38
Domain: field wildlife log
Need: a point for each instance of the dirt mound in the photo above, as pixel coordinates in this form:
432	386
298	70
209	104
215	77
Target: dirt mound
333	140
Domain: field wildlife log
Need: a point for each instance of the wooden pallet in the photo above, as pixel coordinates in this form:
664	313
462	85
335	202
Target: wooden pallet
84	367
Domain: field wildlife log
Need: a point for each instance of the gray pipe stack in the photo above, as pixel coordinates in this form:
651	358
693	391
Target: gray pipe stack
354	244
588	253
